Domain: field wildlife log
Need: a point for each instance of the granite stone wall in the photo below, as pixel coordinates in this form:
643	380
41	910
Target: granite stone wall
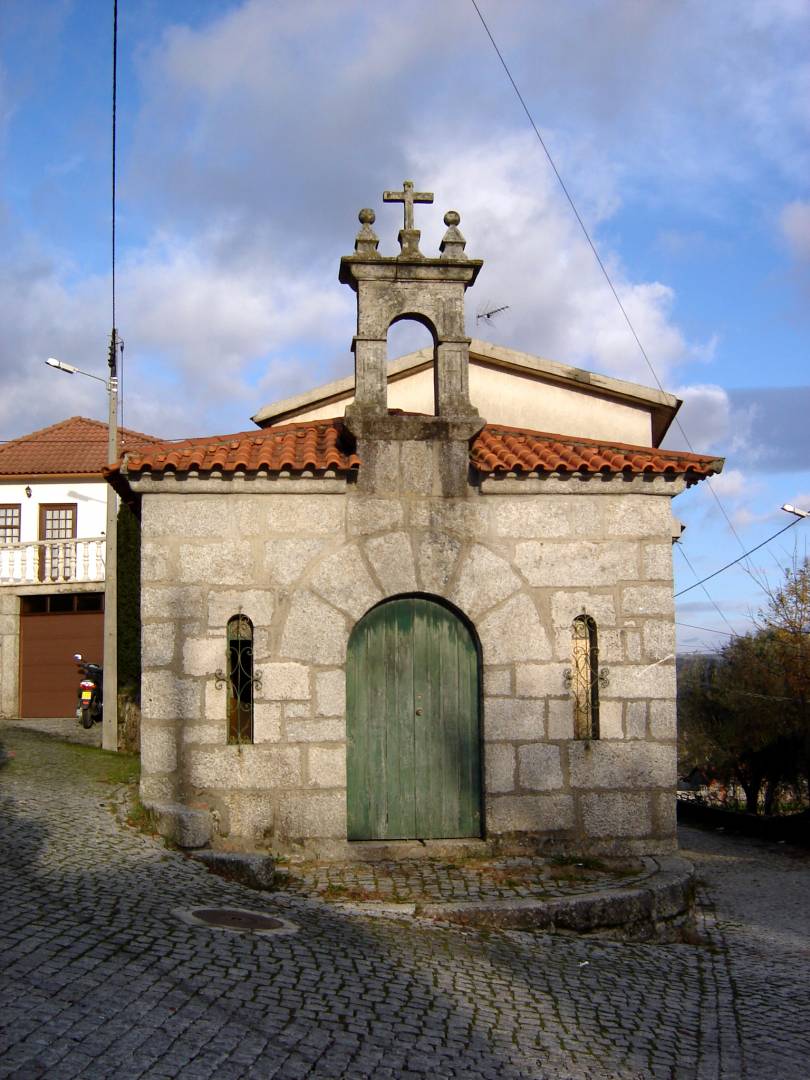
521	559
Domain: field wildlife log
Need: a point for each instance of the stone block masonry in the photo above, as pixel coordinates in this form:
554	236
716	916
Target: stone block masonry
306	565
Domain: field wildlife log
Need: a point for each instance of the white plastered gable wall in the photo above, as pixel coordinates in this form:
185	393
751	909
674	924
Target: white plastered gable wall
510	388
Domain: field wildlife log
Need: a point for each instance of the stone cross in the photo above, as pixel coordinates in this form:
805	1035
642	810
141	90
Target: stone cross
409	197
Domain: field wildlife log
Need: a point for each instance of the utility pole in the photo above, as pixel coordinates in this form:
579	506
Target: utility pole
109	726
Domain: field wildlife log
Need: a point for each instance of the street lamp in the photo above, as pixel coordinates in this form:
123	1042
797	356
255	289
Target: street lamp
795	510
109	726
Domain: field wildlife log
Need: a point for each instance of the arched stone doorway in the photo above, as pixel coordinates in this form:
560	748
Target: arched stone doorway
412	718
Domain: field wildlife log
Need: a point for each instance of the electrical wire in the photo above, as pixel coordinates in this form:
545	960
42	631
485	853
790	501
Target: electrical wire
707	629
117	357
737	560
114	104
706	591
596	255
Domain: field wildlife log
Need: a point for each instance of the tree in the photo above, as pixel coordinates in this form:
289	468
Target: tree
744	711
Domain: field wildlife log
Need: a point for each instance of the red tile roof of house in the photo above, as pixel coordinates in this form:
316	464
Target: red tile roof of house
321	445
73	447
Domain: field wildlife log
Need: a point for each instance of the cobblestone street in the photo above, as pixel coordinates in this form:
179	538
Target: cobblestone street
101	977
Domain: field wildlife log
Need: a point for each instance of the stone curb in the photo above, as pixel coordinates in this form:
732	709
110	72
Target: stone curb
255	871
662	903
656	908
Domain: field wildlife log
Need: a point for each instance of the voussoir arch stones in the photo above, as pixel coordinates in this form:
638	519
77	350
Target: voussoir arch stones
348	582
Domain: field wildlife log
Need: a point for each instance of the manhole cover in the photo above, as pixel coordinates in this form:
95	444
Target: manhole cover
238	919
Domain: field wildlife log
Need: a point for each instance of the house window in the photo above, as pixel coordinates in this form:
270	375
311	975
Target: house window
57	522
10	523
585	678
240	679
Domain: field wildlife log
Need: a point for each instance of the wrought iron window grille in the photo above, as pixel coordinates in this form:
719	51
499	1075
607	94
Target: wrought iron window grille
584	678
240	678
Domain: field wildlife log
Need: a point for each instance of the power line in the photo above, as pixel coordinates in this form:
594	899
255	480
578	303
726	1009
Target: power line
116	345
708	629
712	630
706	591
114	103
735	561
597	256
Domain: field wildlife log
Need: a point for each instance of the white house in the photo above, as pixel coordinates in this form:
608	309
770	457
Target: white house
53	502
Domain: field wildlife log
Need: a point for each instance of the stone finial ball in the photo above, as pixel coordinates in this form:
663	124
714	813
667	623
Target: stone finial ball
366	217
451	218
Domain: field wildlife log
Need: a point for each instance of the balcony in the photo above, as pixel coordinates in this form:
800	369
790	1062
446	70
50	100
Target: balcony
53	562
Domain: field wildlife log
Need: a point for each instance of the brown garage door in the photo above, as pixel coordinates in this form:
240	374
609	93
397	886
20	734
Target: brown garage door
48	640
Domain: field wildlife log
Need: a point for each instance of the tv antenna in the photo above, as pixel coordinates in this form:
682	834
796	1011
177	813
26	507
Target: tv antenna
487	312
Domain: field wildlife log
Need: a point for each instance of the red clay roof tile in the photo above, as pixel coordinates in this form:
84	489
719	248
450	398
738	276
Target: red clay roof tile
73	447
316	445
320	445
498	449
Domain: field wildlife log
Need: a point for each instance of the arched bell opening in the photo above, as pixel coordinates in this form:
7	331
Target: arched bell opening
409	333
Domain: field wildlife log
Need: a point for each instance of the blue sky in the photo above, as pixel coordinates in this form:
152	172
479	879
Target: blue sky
250	133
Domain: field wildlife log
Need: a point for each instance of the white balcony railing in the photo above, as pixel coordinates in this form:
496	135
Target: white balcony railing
52	562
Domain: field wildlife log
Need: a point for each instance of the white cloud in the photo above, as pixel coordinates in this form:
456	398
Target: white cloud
704	416
712	424
263	129
284	109
731	483
188	299
538	261
794	222
199	328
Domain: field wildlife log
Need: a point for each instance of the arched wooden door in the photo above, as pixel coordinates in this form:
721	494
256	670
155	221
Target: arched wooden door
414	760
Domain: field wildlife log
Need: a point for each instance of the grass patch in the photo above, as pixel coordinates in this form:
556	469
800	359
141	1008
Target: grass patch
104	766
575	867
585	867
119	768
510	876
333	891
580	862
139	817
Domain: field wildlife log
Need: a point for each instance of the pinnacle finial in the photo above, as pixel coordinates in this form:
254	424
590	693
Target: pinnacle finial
367	240
453	243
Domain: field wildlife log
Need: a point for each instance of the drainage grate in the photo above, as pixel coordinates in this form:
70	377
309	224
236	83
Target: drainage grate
238	919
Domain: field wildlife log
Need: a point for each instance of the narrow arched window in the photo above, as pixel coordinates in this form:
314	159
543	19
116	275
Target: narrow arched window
585	678
240	679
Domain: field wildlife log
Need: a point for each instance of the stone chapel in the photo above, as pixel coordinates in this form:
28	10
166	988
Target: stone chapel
427	607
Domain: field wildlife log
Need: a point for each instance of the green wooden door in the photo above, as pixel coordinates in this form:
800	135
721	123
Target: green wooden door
413	765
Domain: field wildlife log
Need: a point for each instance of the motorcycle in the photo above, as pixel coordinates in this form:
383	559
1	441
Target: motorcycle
90	709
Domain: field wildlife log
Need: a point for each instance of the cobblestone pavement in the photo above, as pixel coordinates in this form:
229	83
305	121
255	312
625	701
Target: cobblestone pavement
63	727
470	879
100	977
